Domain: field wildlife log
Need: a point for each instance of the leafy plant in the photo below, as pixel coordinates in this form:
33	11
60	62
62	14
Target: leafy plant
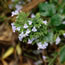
45	29
32	29
55	12
62	54
47	9
56	20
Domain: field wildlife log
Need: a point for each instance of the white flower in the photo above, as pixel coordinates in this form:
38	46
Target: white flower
30	22
15	12
27	32
25	26
58	40
12	24
63	22
64	34
45	43
45	22
18	28
38	62
44	57
13	27
34	29
32	15
42	46
29	41
21	36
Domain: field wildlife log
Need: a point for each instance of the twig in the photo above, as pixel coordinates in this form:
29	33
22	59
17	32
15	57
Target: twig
31	5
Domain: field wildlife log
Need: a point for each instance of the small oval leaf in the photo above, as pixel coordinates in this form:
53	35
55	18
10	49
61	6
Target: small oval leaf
8	52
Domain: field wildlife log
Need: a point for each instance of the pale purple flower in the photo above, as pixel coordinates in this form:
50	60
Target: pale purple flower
25	26
64	34
18	28
12	24
38	62
42	46
45	22
27	32
29	41
63	22
45	43
32	15
34	29
58	40
13	27
16	12
44	57
30	22
21	36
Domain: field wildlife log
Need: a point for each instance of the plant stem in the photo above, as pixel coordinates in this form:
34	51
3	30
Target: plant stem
53	59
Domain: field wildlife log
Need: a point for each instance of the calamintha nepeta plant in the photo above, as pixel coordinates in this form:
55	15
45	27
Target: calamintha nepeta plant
35	30
31	30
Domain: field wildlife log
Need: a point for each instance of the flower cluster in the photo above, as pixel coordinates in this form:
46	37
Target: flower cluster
30	29
42	46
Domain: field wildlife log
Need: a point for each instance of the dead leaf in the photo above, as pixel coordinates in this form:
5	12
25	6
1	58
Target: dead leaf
5	33
18	49
8	52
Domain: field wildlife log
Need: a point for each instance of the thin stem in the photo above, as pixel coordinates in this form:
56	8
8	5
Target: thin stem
53	59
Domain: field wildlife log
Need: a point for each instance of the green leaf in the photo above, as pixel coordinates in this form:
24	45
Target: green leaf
56	20
62	54
37	22
49	37
47	9
61	27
